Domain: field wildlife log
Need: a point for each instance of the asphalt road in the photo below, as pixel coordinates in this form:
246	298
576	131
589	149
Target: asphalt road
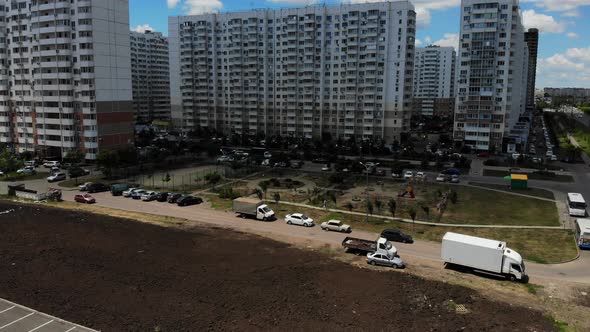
576	271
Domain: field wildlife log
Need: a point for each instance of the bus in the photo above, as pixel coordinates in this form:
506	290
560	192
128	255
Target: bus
576	205
583	233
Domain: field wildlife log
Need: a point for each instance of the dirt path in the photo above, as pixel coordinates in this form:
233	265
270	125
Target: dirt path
120	275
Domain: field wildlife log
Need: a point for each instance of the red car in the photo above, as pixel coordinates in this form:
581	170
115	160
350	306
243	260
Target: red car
483	154
84	198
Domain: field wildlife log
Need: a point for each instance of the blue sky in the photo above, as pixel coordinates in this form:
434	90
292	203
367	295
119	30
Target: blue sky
564	46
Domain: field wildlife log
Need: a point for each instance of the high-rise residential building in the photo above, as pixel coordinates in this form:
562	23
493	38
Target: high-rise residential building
492	75
434	81
65	76
151	77
320	71
531	37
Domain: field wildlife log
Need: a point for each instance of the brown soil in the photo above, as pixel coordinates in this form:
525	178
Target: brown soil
118	275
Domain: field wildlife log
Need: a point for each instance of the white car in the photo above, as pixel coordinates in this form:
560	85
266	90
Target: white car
299	219
50	164
382	259
336	226
59	176
149	196
84	186
408	175
26	170
421	175
454	178
325	168
441	177
267	155
128	192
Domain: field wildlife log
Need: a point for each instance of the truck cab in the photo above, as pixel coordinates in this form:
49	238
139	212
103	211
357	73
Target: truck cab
263	212
385	247
513	265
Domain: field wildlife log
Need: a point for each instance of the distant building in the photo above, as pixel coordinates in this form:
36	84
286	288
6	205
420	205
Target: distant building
151	77
434	81
568	92
65	77
341	71
531	37
492	78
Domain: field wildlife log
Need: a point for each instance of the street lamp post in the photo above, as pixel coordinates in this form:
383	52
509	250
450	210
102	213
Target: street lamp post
367	167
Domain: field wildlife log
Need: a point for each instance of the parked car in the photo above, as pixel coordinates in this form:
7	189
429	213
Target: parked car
380	172
32	163
59	176
138	193
326	168
421	175
84	198
189	200
299	219
84	186
162	197
27	170
173	198
382	259
77	172
455	178
49	164
483	154
128	192
267	154
396	235
395	174
117	189
441	177
336	226
408	175
149	196
98	187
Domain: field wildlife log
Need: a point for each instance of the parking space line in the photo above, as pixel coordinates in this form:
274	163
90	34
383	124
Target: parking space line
40	326
7	309
71	329
18	320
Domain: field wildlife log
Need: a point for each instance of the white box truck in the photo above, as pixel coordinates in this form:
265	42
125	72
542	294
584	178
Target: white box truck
481	254
253	208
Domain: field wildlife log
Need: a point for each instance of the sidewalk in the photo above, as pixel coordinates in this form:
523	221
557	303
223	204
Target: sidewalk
409	221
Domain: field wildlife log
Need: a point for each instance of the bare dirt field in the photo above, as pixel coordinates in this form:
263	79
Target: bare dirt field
115	274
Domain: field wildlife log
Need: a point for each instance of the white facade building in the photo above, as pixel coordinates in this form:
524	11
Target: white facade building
492	74
65	76
151	76
434	79
319	71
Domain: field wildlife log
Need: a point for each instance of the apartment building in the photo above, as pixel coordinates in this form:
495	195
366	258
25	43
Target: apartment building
567	92
531	37
65	76
434	81
492	77
150	76
315	72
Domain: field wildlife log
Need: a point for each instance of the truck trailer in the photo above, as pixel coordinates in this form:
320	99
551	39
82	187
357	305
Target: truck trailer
252	208
484	255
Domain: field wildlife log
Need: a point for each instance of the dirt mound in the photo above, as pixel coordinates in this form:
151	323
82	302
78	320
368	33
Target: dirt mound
118	275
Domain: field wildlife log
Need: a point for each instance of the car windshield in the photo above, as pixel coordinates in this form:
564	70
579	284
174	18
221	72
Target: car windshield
388	245
304	217
265	209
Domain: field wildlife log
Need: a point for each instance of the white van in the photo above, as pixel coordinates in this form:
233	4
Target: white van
576	205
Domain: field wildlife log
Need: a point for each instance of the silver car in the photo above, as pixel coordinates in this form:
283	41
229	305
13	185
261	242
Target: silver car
336	226
299	219
382	259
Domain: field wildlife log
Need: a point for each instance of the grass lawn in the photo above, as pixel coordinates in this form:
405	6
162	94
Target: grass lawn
529	191
583	139
14	176
532	176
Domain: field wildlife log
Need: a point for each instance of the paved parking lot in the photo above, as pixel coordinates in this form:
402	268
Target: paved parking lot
16	318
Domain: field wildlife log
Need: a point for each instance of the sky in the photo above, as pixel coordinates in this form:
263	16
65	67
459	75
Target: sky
564	45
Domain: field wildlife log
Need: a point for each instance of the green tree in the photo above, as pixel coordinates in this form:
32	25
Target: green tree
107	160
426	210
213	178
258	193
9	162
74	157
453	197
378	204
412	213
276	196
264	187
332	196
392	205
369	206
349	206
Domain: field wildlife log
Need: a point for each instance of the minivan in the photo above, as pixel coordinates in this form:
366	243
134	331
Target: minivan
117	189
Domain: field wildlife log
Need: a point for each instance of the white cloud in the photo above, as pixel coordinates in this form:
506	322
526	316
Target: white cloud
545	23
449	39
579	53
418	42
172	3
571	13
559	5
572	35
423	18
142	28
428	40
296	2
195	7
571	68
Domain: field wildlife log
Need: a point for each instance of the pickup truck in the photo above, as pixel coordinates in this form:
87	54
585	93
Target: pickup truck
363	247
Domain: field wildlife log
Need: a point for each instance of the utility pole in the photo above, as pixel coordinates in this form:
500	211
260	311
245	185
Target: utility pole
367	167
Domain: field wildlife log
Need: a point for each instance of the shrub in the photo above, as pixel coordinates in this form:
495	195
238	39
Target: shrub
228	193
213	178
